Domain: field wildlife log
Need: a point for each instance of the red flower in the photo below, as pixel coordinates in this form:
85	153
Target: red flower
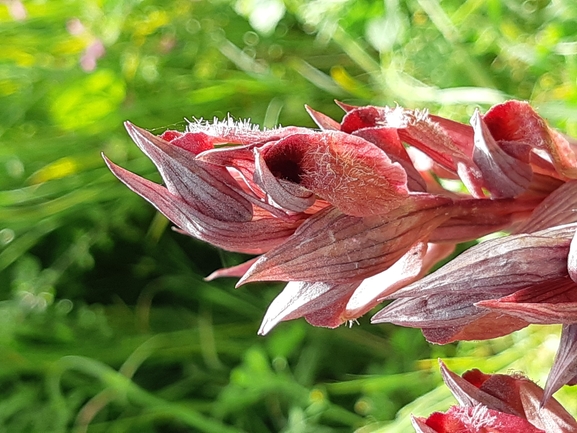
360	211
496	403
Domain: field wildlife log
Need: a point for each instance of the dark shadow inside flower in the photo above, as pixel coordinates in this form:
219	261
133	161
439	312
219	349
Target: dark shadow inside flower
286	165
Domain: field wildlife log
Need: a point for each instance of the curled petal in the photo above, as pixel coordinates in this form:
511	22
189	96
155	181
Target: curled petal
517	121
251	237
287	195
503	175
349	172
209	188
334	247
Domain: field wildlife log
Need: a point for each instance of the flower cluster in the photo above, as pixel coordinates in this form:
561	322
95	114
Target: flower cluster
496	403
360	210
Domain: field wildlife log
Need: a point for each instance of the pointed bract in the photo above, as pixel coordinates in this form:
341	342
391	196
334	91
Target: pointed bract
252	237
338	248
210	189
564	368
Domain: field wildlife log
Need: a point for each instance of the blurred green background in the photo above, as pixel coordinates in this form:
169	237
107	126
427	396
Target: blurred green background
106	324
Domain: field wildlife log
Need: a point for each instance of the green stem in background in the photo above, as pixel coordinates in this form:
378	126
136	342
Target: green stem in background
120	386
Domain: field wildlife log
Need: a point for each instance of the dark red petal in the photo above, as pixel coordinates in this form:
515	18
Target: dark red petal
479	419
194	142
467	394
517	121
362	117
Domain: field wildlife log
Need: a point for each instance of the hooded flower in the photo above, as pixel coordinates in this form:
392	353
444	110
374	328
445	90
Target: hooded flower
496	403
360	210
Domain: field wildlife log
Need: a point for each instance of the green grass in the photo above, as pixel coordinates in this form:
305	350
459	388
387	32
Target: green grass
106	323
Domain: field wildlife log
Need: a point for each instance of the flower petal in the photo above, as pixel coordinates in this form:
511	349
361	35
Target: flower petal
473	218
503	175
334	247
469	394
517	121
210	189
251	237
287	195
484	327
300	299
547	414
233	271
550	302
572	258
564	368
420	425
478	419
323	121
499	265
434	310
557	209
349	172
388	140
373	289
